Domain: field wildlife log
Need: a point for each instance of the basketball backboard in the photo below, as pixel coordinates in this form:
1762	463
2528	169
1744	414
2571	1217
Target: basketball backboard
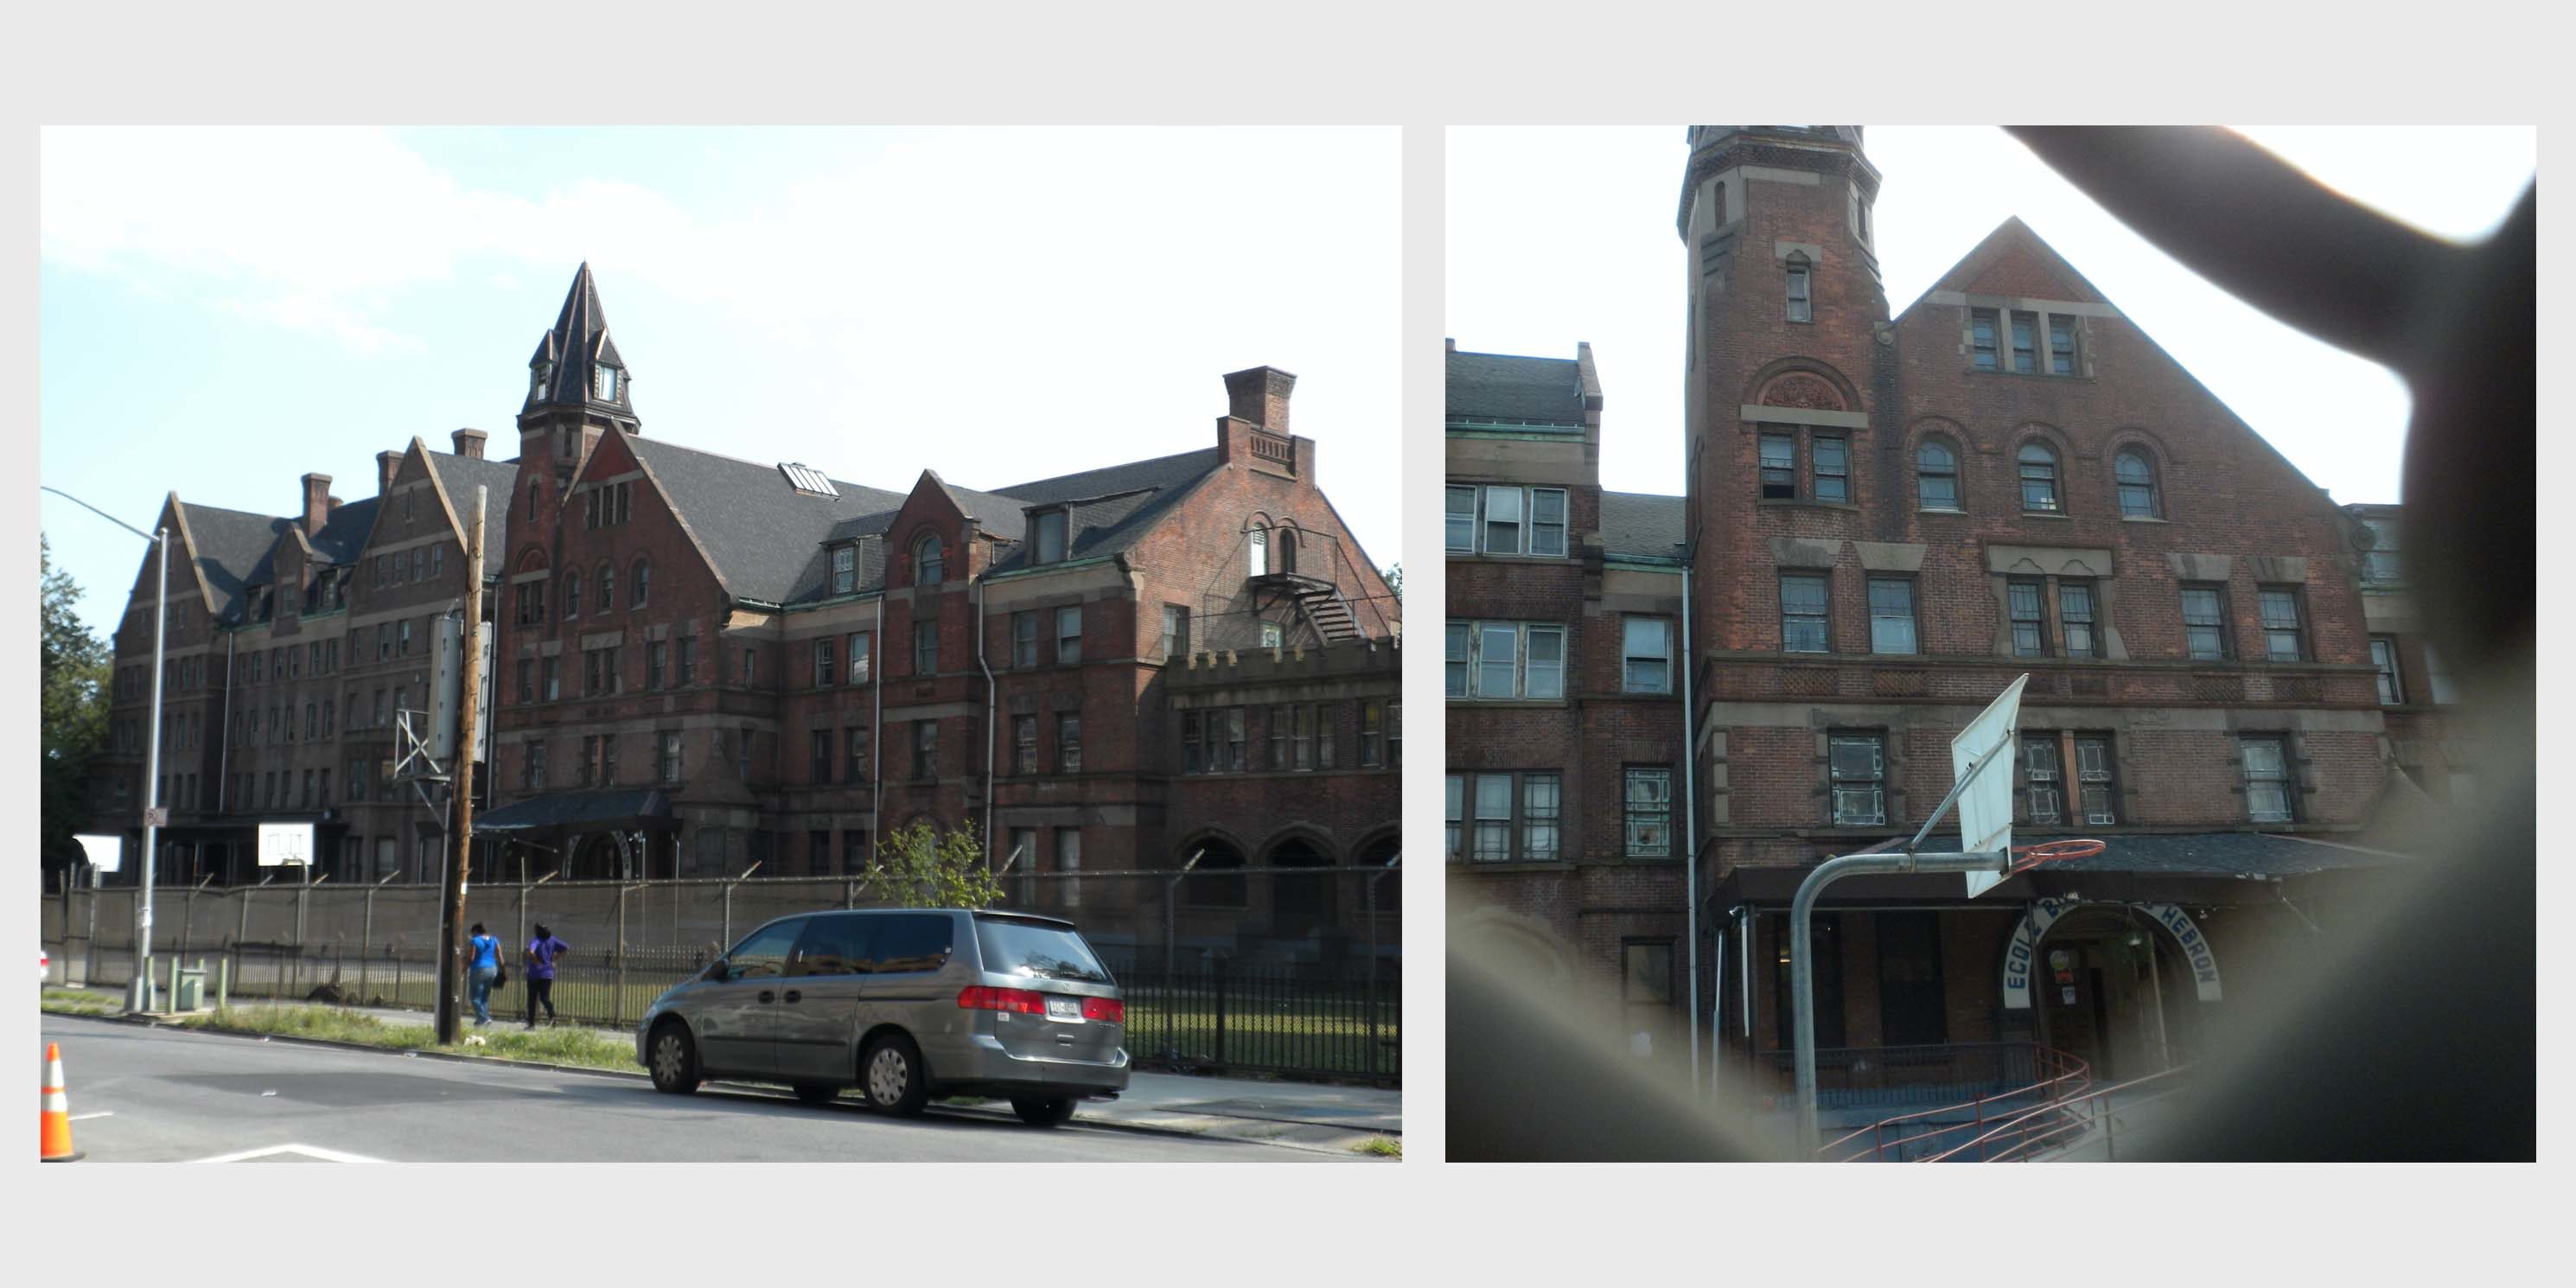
106	853
283	844
1985	806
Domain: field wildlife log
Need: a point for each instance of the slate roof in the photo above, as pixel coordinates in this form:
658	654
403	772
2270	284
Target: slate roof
459	475
344	533
1643	524
762	533
639	807
1113	506
232	548
1510	387
578	340
2219	854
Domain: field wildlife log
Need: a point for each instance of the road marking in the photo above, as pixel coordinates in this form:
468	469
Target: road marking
309	1151
104	1113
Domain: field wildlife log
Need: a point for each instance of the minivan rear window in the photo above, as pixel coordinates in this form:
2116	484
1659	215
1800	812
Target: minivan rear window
1038	950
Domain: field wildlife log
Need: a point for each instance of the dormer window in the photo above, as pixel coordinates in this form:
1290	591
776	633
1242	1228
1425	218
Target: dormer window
1048	539
537	382
845	569
603	385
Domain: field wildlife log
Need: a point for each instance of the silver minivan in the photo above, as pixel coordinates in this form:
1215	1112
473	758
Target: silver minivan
905	1004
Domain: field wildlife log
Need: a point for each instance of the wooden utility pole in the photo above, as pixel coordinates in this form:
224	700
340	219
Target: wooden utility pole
451	963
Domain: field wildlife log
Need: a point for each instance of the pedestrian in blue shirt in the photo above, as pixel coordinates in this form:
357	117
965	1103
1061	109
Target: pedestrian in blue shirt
543	950
485	956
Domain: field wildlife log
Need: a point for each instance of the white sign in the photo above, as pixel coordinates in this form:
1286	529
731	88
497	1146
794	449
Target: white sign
1985	808
106	853
283	844
156	816
2022	955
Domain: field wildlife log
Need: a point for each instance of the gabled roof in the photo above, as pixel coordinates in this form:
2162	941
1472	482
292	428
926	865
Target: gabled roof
458	476
232	552
760	532
1111	508
1642	524
344	533
2013	249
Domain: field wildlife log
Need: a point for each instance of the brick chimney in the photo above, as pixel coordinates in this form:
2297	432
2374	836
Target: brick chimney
469	443
1260	395
386	464
317	503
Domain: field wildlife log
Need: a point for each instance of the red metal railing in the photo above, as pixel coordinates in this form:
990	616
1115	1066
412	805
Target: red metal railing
2059	1080
2074	1116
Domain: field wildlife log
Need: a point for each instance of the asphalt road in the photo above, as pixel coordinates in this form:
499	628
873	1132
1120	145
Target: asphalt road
141	1094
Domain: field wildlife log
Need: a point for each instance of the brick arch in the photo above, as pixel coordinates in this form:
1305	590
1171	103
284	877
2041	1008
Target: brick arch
1490	933
532	558
1216	832
1962	446
1802	382
2158	449
1311	834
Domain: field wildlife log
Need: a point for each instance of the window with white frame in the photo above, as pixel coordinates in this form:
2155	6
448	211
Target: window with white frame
1891	615
1803	613
1648	805
2043	782
1493	817
1506	520
2383	659
2096	791
1504	660
1646	655
2267	779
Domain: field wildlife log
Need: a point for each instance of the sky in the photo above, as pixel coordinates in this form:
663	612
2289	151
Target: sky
1566	234
224	310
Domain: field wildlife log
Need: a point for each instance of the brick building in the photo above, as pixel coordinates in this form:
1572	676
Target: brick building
1888	517
703	662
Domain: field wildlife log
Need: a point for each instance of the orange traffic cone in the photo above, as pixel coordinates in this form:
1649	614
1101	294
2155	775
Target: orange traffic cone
56	1117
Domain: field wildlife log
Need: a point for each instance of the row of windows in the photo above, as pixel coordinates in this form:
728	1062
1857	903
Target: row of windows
668	664
1302	736
424	563
1505	660
2037	476
530	601
1495	818
2025	359
1508	817
1506	520
2065	623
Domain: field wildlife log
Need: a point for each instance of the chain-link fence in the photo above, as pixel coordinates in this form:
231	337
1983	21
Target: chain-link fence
1294	971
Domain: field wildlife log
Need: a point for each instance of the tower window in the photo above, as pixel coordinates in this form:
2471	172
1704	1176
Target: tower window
604	384
1801	308
1779	467
1259	544
537	382
1981	332
1832	468
929	565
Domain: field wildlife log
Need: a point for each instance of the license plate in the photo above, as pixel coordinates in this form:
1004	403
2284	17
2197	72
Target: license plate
1064	1008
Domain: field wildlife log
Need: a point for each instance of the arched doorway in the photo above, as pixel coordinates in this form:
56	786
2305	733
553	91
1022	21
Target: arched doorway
1372	860
1216	880
1300	905
2113	988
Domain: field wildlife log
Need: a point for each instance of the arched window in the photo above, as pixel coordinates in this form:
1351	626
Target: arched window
929	566
1936	475
1801	307
1287	549
2136	476
2039	478
572	595
536	493
643	583
1259	541
607	586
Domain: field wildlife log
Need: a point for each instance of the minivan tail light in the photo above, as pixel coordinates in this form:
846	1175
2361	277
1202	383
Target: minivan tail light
976	997
1108	1009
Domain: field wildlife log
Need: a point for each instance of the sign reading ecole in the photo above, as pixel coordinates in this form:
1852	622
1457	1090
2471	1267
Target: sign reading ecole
2022	955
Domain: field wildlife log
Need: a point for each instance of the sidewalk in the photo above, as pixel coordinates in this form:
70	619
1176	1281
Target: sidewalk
1332	1119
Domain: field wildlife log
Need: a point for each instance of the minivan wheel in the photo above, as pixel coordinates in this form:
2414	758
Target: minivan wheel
891	1075
1046	1111
817	1093
673	1058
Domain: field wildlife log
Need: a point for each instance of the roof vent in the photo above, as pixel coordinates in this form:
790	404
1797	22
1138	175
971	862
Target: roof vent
805	478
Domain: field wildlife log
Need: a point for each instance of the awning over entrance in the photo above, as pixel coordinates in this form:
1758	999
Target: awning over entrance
620	809
2201	867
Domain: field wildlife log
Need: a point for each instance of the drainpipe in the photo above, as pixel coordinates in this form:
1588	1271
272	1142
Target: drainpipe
877	749
1690	830
989	689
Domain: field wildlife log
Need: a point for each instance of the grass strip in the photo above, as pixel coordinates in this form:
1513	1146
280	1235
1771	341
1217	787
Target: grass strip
1380	1147
568	1046
79	1001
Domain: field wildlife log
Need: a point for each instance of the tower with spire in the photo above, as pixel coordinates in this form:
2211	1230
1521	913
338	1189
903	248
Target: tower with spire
577	386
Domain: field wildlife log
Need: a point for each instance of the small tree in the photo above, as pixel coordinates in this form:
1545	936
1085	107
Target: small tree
922	867
72	715
1394	575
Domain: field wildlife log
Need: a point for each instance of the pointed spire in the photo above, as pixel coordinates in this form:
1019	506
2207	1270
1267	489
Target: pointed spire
571	353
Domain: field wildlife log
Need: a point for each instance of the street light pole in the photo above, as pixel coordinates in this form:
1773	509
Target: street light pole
139	992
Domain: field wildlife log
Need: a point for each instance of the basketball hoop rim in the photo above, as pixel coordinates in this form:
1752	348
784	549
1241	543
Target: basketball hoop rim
2026	857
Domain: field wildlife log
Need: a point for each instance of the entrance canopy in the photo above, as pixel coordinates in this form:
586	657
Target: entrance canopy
620	809
2196	867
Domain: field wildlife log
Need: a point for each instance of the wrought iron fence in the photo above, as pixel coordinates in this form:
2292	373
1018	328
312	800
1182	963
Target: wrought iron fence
1290	971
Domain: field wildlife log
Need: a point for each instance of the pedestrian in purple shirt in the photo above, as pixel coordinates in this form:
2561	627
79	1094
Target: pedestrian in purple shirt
543	951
